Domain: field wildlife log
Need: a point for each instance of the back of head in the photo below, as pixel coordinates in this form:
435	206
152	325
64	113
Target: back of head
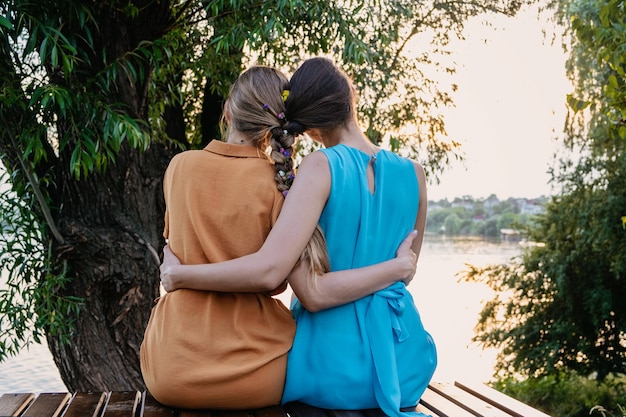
257	109
321	95
255	88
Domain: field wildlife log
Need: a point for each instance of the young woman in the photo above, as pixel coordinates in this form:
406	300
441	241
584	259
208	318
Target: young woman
227	348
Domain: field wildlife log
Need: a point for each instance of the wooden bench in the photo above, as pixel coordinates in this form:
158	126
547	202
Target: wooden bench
439	400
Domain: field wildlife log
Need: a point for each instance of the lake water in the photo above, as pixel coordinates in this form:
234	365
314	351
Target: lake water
449	310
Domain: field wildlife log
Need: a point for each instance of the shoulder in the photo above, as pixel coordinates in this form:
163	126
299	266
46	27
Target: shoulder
414	166
419	169
314	171
315	160
190	155
188	161
407	162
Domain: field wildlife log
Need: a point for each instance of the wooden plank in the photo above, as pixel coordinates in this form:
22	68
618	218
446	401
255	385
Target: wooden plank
502	401
273	411
152	408
467	401
85	404
421	408
439	400
14	404
122	404
369	412
442	406
48	405
373	412
215	413
232	413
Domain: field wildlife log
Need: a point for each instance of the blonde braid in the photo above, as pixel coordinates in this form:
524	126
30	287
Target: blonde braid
315	254
281	144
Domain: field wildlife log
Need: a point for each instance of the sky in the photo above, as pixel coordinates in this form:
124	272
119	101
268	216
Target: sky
510	107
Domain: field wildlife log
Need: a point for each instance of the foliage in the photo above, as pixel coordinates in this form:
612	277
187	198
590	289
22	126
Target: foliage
559	306
600	27
482	217
29	308
568	394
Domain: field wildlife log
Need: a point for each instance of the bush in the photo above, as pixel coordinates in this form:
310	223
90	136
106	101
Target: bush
569	395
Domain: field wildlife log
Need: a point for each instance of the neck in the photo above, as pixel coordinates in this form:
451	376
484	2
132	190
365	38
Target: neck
237	138
349	134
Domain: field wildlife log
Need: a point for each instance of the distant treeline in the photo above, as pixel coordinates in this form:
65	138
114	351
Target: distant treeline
488	217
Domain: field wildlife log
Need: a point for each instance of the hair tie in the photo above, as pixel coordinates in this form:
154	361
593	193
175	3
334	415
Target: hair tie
285	95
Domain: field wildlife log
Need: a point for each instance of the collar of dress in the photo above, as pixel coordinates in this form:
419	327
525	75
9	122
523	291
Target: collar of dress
229	149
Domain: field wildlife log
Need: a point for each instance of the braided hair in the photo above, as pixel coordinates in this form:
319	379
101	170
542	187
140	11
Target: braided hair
256	105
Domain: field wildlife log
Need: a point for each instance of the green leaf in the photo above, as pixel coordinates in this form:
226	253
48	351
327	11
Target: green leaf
576	104
5	23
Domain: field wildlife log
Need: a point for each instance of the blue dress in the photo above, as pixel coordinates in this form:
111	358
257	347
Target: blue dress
373	352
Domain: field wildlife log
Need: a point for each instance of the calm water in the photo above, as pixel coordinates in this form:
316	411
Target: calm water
449	310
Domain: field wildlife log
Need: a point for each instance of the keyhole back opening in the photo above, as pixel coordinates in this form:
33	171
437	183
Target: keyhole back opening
371	175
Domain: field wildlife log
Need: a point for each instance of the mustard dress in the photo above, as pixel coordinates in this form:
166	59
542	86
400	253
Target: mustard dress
205	349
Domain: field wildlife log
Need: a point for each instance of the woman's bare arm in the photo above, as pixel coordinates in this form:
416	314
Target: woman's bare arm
420	221
336	288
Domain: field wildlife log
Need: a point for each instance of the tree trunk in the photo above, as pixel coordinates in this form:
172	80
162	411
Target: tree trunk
112	225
